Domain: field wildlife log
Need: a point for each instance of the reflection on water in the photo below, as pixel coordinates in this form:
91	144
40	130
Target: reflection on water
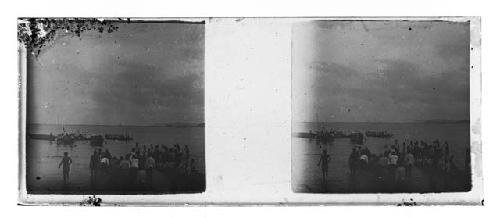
307	176
43	157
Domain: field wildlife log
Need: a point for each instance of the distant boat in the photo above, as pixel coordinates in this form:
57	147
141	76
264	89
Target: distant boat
118	137
65	139
340	134
81	137
304	135
378	134
317	136
48	137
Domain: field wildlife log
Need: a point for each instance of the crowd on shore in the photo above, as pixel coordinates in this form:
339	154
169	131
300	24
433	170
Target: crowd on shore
137	165
396	163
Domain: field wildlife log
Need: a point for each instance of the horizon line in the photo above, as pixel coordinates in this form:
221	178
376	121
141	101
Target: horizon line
410	121
153	124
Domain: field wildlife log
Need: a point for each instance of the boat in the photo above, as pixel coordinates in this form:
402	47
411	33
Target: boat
118	137
340	134
325	137
96	140
48	137
378	134
304	135
65	139
81	137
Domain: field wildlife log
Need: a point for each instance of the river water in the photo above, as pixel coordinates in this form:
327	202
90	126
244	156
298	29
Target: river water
307	177
43	157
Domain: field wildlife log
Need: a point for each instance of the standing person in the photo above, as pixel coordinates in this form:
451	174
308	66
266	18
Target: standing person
99	153
186	152
393	159
186	158
156	154
142	160
107	154
105	162
150	162
124	163
363	160
323	161
65	162
192	167
150	165
94	162
134	167
467	159
383	162
353	158
409	162
393	162
177	156
446	149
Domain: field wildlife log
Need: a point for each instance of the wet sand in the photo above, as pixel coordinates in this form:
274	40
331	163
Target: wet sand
307	176
381	180
120	181
42	158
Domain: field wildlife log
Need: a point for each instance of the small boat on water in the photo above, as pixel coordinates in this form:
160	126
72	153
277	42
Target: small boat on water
96	140
340	134
48	137
378	134
317	136
118	137
323	136
304	135
65	139
81	137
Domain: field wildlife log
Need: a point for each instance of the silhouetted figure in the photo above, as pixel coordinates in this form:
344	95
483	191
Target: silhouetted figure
323	163
353	159
65	162
94	163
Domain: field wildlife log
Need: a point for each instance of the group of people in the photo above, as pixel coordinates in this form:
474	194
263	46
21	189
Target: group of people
397	161
139	163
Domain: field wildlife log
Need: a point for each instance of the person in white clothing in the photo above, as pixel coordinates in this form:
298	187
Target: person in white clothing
393	159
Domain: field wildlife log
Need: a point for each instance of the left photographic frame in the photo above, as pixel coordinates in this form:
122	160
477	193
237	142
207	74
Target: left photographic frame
111	106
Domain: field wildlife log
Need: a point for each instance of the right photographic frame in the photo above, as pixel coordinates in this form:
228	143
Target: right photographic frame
385	106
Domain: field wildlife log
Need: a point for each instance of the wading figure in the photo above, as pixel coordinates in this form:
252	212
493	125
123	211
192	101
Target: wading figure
94	163
353	160
65	162
323	162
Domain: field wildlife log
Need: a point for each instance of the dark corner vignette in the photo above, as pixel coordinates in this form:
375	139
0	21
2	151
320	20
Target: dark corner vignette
112	107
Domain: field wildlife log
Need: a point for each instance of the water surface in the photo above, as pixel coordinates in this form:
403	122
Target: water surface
43	157
306	175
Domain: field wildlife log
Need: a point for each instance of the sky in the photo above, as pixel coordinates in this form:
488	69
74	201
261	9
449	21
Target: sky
141	74
380	71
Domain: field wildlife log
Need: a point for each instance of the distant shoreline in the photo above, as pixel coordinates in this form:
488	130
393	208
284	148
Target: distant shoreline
179	125
408	122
